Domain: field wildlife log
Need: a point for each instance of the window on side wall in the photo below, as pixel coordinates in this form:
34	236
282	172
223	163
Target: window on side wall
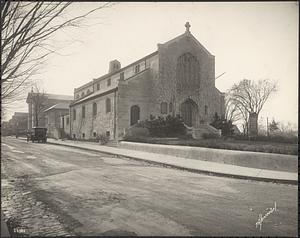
109	82
107	133
137	68
122	76
205	110
98	86
170	107
83	111
94	109
74	114
108	105
164	108
68	121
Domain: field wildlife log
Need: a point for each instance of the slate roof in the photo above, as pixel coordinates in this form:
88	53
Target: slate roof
59	96
51	96
61	105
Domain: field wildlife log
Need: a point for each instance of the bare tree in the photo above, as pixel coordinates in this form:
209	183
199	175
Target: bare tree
273	126
232	111
26	28
249	96
39	100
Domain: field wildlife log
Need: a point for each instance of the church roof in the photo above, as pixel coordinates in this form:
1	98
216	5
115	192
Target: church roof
187	34
59	96
51	96
105	76
94	95
61	105
21	114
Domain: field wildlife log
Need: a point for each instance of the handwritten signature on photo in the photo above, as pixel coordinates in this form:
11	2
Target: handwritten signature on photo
261	218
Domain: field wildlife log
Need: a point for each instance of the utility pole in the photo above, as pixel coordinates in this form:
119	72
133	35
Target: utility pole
220	75
268	127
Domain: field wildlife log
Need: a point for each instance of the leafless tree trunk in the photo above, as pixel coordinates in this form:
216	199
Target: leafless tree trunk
39	100
26	28
248	97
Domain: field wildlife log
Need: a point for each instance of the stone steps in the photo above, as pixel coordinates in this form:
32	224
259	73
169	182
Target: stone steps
112	143
197	133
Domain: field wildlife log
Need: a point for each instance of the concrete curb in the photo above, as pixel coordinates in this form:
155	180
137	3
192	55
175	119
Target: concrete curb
202	171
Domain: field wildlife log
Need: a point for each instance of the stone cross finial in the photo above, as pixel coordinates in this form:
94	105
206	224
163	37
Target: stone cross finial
187	26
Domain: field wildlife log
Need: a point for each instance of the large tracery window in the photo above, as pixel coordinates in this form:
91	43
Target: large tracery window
187	73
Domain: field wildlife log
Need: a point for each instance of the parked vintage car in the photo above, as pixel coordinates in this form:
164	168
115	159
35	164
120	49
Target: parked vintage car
38	134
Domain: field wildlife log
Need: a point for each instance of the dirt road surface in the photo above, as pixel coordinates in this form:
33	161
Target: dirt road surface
56	190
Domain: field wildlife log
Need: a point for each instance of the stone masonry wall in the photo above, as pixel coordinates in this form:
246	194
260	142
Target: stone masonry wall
206	95
98	124
136	91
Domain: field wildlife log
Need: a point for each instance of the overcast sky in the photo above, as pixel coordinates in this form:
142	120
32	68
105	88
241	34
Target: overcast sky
249	40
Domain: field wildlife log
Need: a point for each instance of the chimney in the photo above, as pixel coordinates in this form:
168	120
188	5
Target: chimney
114	66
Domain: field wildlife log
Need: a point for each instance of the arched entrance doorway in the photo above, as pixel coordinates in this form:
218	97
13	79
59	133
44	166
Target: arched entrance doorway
189	112
134	114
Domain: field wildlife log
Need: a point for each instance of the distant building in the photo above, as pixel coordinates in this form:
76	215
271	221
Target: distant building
53	116
38	103
6	129
19	122
16	125
65	125
178	78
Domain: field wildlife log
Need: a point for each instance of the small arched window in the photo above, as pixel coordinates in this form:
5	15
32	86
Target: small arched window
82	94
88	91
164	108
170	107
94	109
108	105
134	114
205	110
83	111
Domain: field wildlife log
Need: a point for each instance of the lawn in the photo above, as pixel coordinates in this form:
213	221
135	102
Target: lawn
229	144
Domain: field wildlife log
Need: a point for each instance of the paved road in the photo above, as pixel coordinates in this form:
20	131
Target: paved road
55	190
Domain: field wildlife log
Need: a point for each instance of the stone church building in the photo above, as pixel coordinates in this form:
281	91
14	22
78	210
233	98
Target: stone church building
178	78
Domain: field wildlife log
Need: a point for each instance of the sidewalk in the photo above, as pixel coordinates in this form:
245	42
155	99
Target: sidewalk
188	164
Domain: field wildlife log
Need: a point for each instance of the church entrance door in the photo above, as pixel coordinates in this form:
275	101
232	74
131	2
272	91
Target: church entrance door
189	110
134	114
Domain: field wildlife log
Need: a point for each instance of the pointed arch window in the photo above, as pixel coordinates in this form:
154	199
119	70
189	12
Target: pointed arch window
134	114
187	73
